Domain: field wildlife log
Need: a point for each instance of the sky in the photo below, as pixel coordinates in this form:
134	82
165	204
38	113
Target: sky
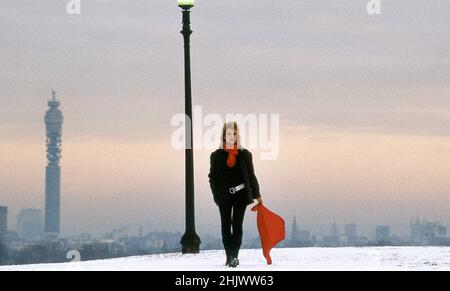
363	100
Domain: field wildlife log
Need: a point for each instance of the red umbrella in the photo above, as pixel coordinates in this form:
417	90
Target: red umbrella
271	229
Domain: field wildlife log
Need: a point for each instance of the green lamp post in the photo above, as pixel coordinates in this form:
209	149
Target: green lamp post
190	241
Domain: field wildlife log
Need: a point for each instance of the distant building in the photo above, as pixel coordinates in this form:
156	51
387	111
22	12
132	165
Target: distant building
382	233
161	241
157	242
53	126
351	231
332	240
3	222
299	237
117	234
294	233
351	237
30	224
304	235
427	233
12	237
334	232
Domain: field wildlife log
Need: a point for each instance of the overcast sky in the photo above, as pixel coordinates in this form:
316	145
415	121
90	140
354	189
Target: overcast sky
364	104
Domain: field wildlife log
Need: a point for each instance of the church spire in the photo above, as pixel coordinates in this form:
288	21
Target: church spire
294	233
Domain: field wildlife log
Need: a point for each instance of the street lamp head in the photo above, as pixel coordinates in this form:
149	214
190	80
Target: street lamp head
186	4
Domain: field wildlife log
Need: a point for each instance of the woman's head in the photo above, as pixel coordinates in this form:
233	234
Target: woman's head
230	134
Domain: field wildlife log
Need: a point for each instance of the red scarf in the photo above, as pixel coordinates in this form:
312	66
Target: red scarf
232	153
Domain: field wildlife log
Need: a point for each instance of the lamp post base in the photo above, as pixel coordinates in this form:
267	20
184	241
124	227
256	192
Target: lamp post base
190	243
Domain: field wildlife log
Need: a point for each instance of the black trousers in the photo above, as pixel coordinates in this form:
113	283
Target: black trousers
232	218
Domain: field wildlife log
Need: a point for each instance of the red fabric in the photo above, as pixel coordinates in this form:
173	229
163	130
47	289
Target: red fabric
271	229
232	153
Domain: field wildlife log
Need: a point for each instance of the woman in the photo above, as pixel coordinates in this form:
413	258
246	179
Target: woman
234	186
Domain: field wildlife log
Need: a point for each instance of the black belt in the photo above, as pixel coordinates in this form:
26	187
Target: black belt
233	190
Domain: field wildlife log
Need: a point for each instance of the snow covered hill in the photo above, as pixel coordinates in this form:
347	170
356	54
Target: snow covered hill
367	258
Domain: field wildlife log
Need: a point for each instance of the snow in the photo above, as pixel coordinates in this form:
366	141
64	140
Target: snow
284	259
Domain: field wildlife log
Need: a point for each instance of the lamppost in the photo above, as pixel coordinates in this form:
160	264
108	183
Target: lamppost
190	241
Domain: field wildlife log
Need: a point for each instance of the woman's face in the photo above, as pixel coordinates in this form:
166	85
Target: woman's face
230	136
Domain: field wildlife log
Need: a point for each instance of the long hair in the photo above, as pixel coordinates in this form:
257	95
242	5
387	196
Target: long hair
233	126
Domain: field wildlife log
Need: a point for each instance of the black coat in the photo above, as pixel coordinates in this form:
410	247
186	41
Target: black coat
216	177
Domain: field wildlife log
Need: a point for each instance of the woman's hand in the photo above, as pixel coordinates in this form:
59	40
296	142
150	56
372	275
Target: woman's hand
259	199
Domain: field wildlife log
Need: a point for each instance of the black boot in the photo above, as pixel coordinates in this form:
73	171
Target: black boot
229	258
236	253
234	262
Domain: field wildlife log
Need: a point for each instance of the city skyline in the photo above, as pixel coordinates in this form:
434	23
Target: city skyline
349	229
30	231
363	104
